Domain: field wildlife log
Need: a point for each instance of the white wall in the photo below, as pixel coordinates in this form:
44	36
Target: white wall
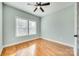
59	26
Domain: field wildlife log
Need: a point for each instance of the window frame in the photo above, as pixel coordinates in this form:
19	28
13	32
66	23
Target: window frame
28	31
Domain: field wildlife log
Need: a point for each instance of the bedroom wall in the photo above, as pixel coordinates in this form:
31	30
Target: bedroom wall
59	26
78	27
1	27
10	14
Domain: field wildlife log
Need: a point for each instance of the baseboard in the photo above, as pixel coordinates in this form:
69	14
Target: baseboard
19	42
58	42
38	38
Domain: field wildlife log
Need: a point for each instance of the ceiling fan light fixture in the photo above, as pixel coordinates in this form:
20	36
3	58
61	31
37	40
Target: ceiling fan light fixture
39	5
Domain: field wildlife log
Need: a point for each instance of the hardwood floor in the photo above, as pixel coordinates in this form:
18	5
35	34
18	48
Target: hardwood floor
43	48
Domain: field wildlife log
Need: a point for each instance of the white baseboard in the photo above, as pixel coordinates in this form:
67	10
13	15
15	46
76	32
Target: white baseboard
58	42
19	42
42	38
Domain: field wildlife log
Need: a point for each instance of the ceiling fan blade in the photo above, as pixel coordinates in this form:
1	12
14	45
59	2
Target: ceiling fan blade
35	9
41	9
45	4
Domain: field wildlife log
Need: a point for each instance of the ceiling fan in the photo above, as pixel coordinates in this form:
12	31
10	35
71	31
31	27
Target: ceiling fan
39	5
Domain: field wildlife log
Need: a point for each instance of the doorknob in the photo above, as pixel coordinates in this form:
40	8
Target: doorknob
75	35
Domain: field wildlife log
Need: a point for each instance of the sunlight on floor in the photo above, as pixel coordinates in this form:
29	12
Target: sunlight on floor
29	51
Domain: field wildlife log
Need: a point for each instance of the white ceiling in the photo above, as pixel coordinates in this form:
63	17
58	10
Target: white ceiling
54	6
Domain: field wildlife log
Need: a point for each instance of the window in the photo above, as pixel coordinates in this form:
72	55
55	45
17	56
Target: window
21	27
32	27
25	27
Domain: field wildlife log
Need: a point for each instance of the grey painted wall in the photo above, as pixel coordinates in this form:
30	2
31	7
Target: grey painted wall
59	26
78	24
0	26
78	28
10	14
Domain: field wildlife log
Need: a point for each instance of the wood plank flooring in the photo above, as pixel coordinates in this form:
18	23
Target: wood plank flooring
43	48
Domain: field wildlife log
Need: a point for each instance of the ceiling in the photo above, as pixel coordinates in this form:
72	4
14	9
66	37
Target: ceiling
54	6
